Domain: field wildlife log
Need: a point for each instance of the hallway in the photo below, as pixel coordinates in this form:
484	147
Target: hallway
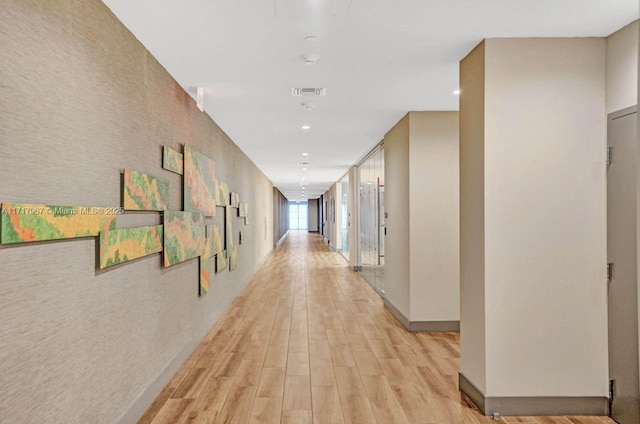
309	341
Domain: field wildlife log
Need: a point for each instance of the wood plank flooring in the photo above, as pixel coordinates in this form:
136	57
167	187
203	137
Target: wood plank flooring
294	347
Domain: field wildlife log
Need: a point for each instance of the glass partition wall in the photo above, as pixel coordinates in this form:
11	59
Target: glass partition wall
344	215
372	227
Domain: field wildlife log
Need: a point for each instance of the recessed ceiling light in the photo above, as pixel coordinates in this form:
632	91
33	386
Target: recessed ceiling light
308	106
304	169
308	91
311	38
306	127
310	59
456	92
305	154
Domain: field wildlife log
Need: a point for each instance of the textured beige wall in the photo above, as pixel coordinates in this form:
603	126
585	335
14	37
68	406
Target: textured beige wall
81	99
434	221
397	205
622	68
545	217
472	255
280	216
312	210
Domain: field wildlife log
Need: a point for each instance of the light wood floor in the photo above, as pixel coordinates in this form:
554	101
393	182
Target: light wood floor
309	341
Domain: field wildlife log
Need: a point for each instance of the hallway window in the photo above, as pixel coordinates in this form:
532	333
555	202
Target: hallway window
298	216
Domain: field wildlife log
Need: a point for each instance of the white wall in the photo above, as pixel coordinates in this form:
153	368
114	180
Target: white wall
472	262
312	211
434	216
545	217
397	250
622	68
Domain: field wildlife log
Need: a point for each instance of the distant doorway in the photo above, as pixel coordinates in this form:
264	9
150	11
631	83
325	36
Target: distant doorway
298	216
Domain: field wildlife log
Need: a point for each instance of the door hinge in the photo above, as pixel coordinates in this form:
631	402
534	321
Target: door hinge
609	155
609	271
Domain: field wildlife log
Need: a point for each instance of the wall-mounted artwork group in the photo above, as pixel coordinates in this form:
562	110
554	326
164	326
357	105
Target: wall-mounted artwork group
183	236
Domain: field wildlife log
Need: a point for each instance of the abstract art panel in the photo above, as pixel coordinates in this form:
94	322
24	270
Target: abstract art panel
214	238
223	193
199	183
184	236
221	261
172	160
235	200
242	210
205	274
233	258
144	192
127	244
228	221
232	250
21	222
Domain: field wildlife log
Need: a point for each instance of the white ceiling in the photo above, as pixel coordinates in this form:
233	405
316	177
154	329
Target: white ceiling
378	59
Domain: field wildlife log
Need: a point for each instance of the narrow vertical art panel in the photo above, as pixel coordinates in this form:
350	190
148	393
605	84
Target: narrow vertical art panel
228	243
242	210
172	160
184	236
235	200
223	193
144	192
233	258
221	261
214	238
205	274
199	183
21	222
232	250
127	244
213	245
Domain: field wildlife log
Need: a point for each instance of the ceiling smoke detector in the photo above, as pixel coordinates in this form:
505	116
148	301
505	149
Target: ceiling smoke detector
308	91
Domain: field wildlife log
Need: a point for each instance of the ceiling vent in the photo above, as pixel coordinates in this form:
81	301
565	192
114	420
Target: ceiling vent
308	91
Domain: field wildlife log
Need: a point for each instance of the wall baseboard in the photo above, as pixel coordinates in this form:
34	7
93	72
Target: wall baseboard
534	405
314	231
151	392
357	268
422	326
279	242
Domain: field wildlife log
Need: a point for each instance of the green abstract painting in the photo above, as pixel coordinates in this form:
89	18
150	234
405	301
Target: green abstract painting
205	274
199	183
214	238
127	244
172	160
228	243
232	252
22	222
223	193
144	192
184	236
221	261
233	258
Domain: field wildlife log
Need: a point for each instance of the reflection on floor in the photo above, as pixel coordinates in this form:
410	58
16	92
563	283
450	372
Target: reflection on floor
309	341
